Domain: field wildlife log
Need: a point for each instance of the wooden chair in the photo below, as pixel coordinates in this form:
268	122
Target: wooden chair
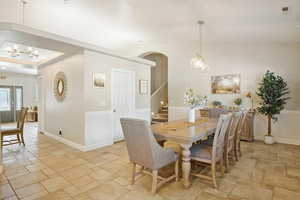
230	138
237	141
212	155
216	112
18	131
144	150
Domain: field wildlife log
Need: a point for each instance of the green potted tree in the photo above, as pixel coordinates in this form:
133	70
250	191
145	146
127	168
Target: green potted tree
273	91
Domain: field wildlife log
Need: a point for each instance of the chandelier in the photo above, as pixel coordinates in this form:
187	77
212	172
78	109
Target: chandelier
15	51
198	61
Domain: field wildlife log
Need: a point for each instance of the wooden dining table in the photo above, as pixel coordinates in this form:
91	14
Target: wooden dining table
185	134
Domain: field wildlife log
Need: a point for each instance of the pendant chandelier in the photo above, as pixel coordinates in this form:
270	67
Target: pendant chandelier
198	62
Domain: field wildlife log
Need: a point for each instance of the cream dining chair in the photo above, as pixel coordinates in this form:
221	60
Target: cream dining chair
144	151
212	155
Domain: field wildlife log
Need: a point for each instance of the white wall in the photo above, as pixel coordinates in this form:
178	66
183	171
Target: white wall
68	114
99	118
249	60
29	84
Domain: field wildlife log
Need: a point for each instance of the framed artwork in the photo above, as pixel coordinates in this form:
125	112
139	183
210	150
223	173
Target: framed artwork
99	80
143	87
226	84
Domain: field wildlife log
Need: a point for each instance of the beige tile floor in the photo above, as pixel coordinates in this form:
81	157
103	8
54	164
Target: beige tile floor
47	169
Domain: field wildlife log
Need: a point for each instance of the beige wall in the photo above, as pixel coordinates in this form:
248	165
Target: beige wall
29	84
68	114
250	61
100	99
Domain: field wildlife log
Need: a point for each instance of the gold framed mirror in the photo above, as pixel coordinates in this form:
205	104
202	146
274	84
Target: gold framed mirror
60	86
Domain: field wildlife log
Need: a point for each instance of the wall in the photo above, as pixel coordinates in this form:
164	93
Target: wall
99	118
68	114
29	84
248	60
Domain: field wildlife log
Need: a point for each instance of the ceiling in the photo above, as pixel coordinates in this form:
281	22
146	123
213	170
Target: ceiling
121	24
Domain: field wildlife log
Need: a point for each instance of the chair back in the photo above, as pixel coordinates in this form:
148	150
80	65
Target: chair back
141	144
216	112
242	123
232	130
22	116
222	128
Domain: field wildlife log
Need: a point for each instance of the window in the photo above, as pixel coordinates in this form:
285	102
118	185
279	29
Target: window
18	99
5	99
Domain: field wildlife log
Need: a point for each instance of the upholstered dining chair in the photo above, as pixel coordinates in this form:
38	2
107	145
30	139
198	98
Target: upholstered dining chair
216	112
212	155
237	141
231	134
144	151
17	131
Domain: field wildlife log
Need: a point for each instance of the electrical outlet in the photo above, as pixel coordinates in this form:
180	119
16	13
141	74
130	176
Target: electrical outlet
60	132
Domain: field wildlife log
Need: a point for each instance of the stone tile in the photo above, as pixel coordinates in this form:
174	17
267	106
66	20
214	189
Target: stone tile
292	171
251	192
282	181
28	179
6	191
283	194
109	191
31	192
55	184
15	172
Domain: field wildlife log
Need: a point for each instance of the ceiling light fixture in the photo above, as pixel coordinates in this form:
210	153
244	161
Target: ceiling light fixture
23	3
198	62
15	51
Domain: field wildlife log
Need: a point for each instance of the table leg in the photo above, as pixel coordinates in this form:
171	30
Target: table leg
186	164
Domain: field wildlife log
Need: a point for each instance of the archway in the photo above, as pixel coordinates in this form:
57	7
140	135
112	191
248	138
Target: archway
159	86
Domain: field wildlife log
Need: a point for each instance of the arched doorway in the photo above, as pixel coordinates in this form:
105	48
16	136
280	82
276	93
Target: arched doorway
159	86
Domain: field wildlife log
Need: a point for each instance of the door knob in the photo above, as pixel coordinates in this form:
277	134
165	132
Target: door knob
114	110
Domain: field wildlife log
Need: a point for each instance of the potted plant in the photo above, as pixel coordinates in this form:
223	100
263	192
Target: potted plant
238	102
193	101
217	104
273	91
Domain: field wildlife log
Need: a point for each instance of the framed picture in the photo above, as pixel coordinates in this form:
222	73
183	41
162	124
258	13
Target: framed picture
99	80
226	84
143	86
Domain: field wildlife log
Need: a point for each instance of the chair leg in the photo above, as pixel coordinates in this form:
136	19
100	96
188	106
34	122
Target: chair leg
154	181
19	140
213	173
226	161
177	170
240	152
235	151
23	141
133	173
222	166
2	137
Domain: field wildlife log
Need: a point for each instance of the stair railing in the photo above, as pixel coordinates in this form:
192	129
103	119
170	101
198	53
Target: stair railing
157	96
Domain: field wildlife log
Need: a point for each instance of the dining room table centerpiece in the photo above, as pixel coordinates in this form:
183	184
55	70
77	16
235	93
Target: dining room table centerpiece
194	101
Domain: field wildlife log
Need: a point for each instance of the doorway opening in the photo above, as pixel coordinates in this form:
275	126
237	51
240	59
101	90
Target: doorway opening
159	86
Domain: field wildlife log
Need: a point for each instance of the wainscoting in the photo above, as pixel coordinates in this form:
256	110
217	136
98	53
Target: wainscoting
286	130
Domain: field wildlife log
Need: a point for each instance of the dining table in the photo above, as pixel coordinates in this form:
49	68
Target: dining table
185	134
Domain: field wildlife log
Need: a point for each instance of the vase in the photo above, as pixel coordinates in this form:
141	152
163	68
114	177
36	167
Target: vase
192	115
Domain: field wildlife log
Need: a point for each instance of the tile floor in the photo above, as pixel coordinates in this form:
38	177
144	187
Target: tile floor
47	169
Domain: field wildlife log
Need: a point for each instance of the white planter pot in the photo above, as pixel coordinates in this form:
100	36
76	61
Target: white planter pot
192	116
269	139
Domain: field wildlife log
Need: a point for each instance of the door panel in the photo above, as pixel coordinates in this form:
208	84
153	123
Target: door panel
123	98
6	104
11	102
18	101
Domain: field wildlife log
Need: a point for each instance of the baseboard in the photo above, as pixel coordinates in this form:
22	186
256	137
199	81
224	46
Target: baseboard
281	140
80	147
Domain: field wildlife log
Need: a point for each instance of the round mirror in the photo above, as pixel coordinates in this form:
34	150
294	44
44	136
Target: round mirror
60	86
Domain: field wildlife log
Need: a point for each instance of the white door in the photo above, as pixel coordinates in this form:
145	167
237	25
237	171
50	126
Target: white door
123	98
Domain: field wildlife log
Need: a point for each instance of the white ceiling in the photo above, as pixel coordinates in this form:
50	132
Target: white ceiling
120	24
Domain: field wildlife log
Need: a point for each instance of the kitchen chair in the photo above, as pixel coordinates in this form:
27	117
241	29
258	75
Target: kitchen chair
144	150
